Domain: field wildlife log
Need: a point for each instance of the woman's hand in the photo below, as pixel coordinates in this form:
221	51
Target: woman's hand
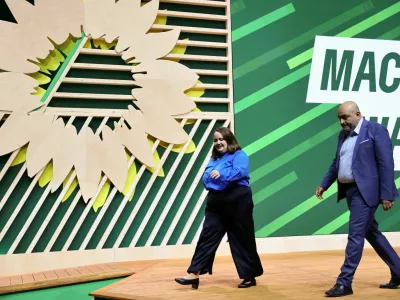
215	174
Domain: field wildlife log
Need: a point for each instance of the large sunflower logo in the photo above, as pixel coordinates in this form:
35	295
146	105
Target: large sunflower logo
158	96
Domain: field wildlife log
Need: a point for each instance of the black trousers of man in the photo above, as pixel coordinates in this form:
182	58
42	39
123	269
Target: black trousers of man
229	211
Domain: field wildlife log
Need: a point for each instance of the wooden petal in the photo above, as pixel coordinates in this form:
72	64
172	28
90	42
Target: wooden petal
164	97
41	149
19	129
66	17
63	158
176	75
14	57
125	20
29	39
113	158
162	126
15	92
87	163
152	46
140	22
99	15
135	140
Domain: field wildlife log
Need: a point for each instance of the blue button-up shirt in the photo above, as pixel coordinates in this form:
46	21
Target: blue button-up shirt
346	156
232	167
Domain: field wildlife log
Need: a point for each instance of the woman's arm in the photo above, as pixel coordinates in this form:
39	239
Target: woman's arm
239	169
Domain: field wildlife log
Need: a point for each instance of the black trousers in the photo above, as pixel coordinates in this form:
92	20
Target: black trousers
230	212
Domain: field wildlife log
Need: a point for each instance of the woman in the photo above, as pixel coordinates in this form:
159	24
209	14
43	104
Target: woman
229	210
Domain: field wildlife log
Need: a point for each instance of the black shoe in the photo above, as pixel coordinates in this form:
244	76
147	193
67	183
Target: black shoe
247	283
392	284
193	282
339	291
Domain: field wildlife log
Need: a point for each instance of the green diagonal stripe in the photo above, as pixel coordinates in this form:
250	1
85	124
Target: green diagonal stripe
293	153
335	224
262	22
288	80
294	213
272	88
344	218
62	68
275	187
392	34
237	6
350	32
288	128
390	221
289	46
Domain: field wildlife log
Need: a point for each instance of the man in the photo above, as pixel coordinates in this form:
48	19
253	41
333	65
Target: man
364	169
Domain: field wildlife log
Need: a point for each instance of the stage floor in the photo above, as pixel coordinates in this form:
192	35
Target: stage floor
286	276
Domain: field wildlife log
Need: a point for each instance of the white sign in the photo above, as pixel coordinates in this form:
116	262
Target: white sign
366	71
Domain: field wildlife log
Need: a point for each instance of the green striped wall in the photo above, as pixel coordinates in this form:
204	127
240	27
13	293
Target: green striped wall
291	143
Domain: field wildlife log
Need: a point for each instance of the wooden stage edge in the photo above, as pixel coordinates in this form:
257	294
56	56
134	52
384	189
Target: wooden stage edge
301	275
68	276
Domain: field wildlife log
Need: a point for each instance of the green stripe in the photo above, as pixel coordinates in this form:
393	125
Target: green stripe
287	81
289	46
237	6
335	224
389	222
392	34
263	21
294	213
287	128
293	153
395	218
344	218
275	187
62	68
350	32
272	88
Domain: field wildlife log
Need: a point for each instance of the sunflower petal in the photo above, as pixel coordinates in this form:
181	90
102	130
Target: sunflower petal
135	139
165	96
52	62
41	150
46	176
113	162
177	148
29	39
157	159
125	20
87	163
129	180
102	196
19	129
15	92
195	93
21	156
175	74
71	188
64	155
152	46
160	125
41	78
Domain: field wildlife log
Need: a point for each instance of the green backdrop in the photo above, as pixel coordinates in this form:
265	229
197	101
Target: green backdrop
291	143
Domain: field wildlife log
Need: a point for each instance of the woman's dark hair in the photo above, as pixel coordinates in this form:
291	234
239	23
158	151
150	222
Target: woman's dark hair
230	139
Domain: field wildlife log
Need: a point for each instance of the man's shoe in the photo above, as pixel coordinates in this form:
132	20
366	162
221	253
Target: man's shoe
339	290
392	284
247	283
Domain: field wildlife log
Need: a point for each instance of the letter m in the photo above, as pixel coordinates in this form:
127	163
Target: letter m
330	70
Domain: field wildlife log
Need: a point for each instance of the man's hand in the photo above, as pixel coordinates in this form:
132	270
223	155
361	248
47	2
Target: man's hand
387	205
215	174
319	192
